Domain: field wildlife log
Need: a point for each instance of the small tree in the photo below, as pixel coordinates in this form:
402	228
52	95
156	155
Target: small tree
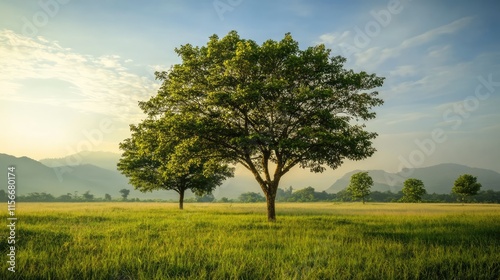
125	193
157	157
107	197
88	196
413	190
360	185
466	185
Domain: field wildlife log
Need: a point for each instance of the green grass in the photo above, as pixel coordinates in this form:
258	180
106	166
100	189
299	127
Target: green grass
235	241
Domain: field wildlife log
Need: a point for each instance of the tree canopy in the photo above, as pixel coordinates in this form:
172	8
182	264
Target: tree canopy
156	157
268	107
413	189
360	185
466	185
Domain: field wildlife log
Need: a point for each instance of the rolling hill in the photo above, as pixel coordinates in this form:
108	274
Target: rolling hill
33	176
106	160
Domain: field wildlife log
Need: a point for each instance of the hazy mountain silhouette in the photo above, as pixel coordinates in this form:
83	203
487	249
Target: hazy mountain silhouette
96	172
33	176
106	160
437	179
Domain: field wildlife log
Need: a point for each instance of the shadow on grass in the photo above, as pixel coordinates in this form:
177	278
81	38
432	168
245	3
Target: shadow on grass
447	234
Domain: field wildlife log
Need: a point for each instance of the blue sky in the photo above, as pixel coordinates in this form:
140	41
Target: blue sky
72	71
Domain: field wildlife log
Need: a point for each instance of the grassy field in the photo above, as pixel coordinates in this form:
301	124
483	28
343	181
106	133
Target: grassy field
235	241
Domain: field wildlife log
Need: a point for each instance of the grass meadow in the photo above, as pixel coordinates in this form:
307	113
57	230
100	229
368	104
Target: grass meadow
234	241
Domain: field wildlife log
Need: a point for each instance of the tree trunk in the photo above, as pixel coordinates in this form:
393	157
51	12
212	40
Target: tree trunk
181	200
363	198
271	209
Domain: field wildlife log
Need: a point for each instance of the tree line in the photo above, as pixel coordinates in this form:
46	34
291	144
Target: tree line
68	197
308	194
464	187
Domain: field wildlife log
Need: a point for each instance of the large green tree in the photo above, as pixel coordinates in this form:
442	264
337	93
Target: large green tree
156	157
466	185
360	185
269	107
413	189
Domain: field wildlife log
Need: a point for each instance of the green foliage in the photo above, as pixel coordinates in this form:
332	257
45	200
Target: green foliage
466	185
205	198
158	157
284	195
88	196
251	197
303	195
125	193
360	185
107	197
225	200
413	190
258	105
233	241
309	194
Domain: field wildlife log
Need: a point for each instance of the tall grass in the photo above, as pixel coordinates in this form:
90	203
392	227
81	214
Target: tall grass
235	241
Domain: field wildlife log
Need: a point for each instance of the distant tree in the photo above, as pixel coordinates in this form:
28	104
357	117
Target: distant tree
359	186
205	198
37	197
107	197
466	185
3	195
65	197
323	196
251	197
124	193
224	200
303	195
88	196
413	190
343	195
284	195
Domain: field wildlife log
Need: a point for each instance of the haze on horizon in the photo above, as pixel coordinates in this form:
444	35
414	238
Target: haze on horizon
72	72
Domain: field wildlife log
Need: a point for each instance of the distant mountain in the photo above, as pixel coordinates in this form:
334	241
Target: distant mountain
96	172
437	178
33	176
106	160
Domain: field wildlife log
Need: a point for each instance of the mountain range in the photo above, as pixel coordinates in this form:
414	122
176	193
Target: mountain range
73	174
96	172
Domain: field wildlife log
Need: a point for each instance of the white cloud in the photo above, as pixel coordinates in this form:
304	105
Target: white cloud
103	84
333	38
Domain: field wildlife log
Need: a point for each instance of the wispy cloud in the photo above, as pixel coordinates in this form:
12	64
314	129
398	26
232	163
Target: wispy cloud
436	32
103	84
374	55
